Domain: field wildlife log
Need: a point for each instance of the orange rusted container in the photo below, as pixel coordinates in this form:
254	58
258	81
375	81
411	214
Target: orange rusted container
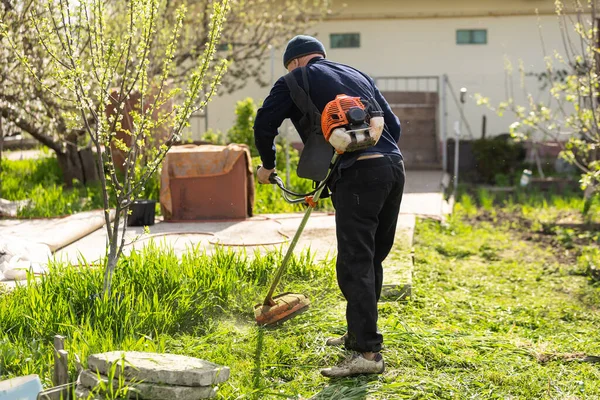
207	182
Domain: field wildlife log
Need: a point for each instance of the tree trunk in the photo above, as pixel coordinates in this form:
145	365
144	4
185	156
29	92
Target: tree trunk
109	270
1	148
71	165
90	171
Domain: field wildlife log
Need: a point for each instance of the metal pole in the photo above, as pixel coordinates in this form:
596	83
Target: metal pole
287	161
444	125
456	147
463	99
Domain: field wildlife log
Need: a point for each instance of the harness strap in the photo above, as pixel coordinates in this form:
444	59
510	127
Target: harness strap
300	97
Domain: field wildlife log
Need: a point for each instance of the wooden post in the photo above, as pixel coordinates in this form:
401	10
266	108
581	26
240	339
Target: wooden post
61	369
1	148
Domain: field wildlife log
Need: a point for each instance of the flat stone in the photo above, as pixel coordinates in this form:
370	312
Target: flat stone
85	393
21	387
149	391
169	369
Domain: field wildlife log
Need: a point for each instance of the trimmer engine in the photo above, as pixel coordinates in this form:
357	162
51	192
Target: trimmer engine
348	125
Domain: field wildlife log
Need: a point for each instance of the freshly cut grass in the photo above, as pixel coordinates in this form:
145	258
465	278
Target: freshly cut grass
493	316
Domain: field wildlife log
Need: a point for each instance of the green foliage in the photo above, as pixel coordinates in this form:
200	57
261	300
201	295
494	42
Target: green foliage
589	262
118	72
486	199
497	157
268	198
570	107
214	137
40	181
242	131
19	177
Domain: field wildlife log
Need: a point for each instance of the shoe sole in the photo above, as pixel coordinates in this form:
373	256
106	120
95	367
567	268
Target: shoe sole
356	373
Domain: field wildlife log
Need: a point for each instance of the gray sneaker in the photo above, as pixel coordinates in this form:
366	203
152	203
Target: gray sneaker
356	365
339	341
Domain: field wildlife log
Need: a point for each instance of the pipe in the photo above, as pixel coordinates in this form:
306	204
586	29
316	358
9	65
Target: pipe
444	124
440	15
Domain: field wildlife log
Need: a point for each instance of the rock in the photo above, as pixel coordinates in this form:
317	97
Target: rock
21	387
85	393
169	369
149	391
11	208
17	256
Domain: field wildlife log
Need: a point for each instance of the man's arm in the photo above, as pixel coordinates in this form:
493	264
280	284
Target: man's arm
269	118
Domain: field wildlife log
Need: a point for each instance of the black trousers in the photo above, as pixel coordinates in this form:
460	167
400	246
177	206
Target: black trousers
366	197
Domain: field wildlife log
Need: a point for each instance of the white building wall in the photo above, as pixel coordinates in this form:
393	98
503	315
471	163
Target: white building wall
402	44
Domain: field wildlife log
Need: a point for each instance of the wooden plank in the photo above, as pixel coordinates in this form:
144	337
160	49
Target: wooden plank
59	344
63	370
60	376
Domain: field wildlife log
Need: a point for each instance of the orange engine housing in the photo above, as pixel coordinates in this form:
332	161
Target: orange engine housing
334	113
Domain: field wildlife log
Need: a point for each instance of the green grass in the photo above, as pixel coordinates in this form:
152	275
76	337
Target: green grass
495	314
40	180
268	198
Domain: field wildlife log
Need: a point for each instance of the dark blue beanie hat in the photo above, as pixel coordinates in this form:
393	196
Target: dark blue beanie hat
302	45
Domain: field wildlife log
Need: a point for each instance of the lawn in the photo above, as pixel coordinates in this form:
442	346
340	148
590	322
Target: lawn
499	310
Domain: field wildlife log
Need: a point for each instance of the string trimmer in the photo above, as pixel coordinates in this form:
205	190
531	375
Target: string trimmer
287	305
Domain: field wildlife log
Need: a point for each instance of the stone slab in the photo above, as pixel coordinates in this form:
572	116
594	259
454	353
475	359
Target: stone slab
56	233
21	387
149	391
169	369
84	393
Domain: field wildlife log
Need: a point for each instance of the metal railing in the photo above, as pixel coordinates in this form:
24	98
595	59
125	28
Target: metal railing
408	83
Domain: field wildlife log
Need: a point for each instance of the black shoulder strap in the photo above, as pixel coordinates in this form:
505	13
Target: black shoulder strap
302	99
316	156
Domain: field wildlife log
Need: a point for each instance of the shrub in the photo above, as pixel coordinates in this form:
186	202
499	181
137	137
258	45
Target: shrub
497	157
243	130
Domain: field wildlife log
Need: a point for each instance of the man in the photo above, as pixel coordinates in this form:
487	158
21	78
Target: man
366	188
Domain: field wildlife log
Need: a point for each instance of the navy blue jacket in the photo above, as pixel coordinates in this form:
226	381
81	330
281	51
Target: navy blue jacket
326	79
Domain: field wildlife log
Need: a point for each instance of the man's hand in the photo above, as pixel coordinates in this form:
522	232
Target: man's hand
263	174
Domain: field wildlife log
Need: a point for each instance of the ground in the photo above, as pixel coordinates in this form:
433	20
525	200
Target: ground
493	315
502	307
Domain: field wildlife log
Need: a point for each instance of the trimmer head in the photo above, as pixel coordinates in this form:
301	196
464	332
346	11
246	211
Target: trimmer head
283	307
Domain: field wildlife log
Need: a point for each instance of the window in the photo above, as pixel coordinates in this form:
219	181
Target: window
344	40
471	36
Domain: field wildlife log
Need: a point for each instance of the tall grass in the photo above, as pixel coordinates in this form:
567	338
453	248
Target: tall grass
155	295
